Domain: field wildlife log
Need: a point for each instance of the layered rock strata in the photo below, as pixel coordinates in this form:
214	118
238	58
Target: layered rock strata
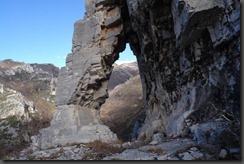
82	84
188	54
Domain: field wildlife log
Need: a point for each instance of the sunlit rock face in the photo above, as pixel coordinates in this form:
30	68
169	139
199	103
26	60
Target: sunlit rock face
82	83
188	53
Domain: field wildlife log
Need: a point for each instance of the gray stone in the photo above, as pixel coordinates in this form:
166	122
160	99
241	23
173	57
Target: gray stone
186	22
171	147
174	159
1	88
197	155
223	154
214	129
158	137
153	143
193	149
113	18
132	154
70	126
186	156
163	157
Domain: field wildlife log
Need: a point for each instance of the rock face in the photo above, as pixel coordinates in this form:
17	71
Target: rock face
96	44
15	115
83	82
69	126
189	61
13	104
188	54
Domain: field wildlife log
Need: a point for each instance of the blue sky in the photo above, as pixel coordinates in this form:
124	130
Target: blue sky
40	31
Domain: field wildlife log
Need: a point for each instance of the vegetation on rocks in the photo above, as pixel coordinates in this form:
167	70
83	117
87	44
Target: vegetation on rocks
26	104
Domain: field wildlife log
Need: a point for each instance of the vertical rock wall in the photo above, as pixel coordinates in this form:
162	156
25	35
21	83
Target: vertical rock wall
82	83
189	58
97	41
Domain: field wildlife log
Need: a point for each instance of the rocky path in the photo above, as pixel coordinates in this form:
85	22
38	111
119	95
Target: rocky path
172	149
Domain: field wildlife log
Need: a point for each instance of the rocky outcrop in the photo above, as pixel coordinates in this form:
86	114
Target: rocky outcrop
72	124
48	68
96	44
188	54
83	82
10	68
189	60
12	103
38	77
16	115
26	102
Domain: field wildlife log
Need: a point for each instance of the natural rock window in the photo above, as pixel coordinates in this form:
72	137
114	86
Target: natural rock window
123	110
189	60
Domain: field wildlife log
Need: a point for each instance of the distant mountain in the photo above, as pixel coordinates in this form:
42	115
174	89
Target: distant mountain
132	68
121	73
124	108
49	68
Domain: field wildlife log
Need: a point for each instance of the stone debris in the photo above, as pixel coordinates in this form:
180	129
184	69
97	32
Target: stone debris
153	143
197	155
186	156
223	154
177	149
60	153
193	149
1	88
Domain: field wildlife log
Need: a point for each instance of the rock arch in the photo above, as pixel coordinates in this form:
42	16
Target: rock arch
180	72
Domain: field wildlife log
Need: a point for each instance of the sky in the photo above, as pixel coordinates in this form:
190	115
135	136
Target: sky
40	31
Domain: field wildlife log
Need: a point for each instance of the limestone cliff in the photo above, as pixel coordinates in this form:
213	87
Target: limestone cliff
188	53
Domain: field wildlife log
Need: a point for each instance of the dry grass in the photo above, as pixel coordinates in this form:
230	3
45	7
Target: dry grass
57	154
156	150
123	108
99	150
8	151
